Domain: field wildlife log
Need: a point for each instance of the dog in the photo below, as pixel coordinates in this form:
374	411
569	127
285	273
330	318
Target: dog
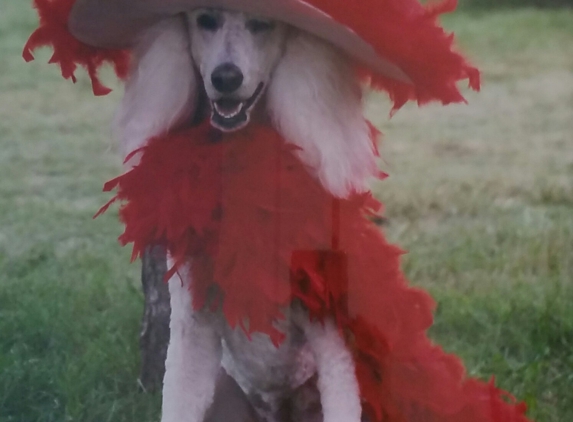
281	202
234	69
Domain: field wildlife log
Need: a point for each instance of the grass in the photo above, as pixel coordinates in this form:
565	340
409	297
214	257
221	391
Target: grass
481	195
505	4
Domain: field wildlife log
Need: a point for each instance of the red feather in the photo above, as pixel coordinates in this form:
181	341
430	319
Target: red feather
407	34
261	232
69	52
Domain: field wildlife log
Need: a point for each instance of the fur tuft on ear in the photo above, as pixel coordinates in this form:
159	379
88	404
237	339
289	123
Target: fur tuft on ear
315	101
162	88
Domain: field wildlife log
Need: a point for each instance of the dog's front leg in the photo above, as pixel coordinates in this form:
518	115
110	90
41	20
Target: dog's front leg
193	359
337	383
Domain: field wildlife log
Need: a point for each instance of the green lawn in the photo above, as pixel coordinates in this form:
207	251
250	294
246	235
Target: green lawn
481	195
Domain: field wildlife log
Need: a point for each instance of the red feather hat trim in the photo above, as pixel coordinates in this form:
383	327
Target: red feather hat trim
402	31
408	35
69	52
262	232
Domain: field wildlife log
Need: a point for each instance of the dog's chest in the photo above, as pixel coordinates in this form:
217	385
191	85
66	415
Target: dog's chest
258	365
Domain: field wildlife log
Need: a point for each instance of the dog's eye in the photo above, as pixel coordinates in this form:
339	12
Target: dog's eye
207	21
258	25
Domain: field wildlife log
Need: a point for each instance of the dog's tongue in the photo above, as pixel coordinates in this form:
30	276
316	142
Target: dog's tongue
228	105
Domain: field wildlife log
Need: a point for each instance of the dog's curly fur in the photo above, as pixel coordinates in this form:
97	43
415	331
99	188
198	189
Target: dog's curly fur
314	100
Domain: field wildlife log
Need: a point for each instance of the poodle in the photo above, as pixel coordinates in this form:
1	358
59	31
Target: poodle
233	69
249	159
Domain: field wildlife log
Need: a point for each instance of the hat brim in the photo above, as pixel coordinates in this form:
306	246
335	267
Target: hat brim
117	23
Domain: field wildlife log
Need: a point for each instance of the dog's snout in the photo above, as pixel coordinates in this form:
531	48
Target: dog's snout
227	78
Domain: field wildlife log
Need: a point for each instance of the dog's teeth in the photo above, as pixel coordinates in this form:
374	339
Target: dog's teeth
231	114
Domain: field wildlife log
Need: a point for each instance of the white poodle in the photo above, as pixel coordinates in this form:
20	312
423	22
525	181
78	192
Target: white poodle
239	68
198	69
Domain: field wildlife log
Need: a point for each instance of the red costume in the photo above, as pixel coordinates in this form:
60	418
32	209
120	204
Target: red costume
262	232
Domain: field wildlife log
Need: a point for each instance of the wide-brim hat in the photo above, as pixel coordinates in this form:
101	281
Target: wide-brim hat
397	44
118	24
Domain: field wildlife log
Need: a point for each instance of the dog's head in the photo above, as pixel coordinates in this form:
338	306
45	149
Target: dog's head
312	95
235	54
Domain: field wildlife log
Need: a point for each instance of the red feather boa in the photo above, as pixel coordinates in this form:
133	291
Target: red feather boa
69	52
262	232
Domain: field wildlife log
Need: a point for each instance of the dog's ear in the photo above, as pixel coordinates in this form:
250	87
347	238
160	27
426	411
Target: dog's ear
315	101
162	88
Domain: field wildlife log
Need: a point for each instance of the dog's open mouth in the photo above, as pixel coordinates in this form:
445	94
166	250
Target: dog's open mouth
230	114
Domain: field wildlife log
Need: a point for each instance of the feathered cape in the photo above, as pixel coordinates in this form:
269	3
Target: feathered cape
262	232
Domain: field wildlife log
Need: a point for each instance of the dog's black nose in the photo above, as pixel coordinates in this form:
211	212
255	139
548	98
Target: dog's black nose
227	78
